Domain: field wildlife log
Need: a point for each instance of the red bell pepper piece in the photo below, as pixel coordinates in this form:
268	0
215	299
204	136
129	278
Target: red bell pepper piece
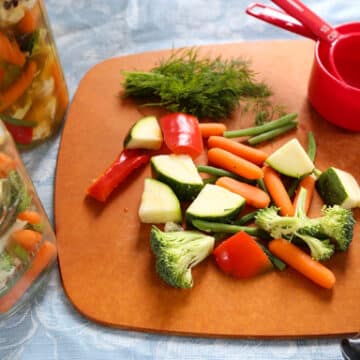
241	256
182	134
21	134
126	162
2	73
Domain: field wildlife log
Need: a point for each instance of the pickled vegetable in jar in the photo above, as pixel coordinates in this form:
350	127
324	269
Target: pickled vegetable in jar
27	241
33	92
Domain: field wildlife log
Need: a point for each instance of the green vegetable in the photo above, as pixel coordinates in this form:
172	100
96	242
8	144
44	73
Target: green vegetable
246	218
217	227
280	265
6	261
204	87
177	252
256	130
19	191
212	170
291	160
339	187
269	135
334	226
159	203
144	134
215	203
180	173
17	122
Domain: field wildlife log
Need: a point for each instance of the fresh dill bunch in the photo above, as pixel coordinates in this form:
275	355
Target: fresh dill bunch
204	87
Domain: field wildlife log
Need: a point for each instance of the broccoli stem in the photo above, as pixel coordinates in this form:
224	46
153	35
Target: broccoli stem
214	227
256	130
268	135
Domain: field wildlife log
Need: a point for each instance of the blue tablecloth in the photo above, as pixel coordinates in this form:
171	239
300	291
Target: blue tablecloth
87	32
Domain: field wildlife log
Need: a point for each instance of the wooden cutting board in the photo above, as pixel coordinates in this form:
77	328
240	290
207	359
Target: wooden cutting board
105	260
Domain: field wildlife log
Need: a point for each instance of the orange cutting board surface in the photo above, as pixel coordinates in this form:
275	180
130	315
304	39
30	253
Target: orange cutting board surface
107	268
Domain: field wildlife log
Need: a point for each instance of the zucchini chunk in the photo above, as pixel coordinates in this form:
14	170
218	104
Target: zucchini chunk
144	134
215	203
338	187
291	159
159	203
180	173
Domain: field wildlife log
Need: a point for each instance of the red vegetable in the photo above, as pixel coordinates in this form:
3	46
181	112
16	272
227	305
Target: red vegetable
127	161
182	134
21	134
241	256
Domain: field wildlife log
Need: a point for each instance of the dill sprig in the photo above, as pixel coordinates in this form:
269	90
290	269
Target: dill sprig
204	87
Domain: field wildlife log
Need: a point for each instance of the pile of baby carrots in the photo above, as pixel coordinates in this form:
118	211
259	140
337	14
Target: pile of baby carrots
261	186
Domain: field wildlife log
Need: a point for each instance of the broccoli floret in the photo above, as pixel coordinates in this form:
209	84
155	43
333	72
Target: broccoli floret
177	252
335	224
338	224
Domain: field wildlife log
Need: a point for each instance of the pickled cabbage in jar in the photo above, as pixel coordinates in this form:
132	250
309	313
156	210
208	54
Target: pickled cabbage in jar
33	93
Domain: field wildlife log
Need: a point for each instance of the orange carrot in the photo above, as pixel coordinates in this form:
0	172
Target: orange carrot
253	195
10	51
278	191
15	91
234	163
30	20
211	129
247	152
45	255
308	183
26	238
302	262
7	164
31	216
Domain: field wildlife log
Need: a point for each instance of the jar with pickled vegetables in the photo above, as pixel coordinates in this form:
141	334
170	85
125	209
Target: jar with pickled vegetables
33	92
27	241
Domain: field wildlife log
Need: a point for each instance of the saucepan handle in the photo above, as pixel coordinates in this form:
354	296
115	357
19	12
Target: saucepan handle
279	18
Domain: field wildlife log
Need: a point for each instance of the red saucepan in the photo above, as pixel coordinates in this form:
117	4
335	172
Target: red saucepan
336	100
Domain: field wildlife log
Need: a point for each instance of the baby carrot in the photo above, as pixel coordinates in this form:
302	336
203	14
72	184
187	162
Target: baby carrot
10	51
302	262
253	195
26	238
45	255
308	183
212	129
7	164
234	163
247	152
30	20
16	90
278	191
31	216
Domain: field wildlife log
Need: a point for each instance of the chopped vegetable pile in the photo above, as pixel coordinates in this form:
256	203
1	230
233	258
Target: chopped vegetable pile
248	208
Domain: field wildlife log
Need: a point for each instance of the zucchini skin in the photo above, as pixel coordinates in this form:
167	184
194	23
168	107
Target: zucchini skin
184	191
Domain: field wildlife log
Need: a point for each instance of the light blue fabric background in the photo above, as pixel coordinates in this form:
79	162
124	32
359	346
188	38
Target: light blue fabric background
87	32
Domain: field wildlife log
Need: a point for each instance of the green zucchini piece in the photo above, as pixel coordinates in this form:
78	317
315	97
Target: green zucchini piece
338	187
215	203
159	203
144	134
180	173
291	159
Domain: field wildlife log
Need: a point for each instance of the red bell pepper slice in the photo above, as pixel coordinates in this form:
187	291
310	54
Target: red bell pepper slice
21	134
2	73
125	163
182	134
241	256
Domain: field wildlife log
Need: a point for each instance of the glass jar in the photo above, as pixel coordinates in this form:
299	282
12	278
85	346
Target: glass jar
27	241
33	92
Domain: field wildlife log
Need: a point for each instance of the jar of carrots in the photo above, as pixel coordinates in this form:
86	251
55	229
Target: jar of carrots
33	92
27	241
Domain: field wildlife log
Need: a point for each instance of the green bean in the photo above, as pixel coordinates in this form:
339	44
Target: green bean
221	172
215	227
256	130
311	146
246	218
272	133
